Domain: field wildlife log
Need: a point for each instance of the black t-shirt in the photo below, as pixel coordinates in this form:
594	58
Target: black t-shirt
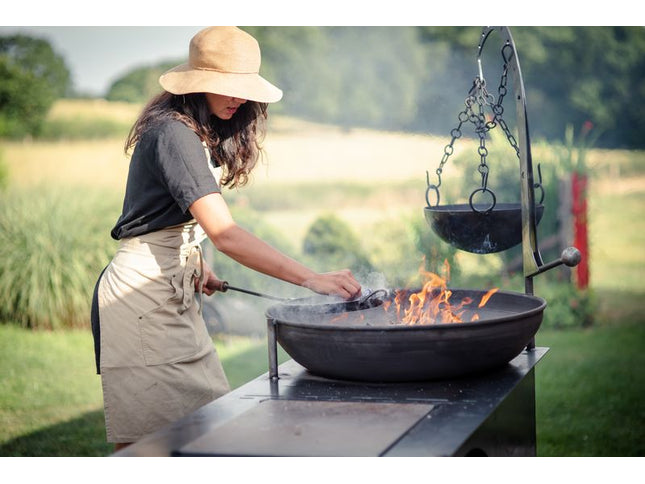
168	172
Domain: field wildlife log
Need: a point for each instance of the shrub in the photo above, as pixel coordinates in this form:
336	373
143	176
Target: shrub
393	253
567	306
4	173
53	244
331	242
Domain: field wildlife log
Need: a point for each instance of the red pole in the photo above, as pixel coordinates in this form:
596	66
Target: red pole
580	239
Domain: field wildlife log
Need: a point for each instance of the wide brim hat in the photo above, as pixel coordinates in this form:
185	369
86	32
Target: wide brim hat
222	60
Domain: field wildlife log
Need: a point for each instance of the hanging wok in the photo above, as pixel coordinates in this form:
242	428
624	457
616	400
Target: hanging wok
371	345
476	230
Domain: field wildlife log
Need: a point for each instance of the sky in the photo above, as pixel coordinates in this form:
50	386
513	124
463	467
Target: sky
104	43
97	56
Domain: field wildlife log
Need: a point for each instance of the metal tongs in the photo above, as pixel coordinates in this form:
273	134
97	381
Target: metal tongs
367	299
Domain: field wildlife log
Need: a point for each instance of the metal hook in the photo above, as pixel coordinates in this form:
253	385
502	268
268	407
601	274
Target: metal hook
433	187
539	184
485	33
436	190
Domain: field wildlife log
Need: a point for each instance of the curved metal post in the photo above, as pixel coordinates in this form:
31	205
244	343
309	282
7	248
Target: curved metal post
531	257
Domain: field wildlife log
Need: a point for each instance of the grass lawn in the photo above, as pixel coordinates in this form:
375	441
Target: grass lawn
589	391
50	398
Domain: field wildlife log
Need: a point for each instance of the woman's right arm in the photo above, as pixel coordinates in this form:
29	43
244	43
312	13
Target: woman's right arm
212	213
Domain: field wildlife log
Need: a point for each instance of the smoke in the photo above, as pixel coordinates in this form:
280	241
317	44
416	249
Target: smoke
372	281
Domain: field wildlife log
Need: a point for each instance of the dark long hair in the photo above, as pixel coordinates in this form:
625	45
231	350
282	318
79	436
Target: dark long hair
234	144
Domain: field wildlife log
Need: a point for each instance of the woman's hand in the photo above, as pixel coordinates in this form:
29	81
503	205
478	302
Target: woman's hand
211	282
338	283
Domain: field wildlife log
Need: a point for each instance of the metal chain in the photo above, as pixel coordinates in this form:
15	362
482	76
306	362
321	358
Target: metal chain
480	128
479	95
498	109
448	150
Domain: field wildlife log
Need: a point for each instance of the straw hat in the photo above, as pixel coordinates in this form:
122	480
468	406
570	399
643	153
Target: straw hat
222	60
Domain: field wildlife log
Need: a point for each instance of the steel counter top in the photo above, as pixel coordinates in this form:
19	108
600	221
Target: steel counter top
303	414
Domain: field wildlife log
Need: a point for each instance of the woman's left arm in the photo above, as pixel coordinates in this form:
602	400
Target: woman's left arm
212	213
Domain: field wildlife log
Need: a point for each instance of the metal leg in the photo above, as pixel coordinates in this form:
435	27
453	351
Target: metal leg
273	349
528	289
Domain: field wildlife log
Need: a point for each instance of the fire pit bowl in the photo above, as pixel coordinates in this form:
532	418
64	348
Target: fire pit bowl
479	231
371	345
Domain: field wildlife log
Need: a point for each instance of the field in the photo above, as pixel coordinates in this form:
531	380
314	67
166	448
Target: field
589	387
368	178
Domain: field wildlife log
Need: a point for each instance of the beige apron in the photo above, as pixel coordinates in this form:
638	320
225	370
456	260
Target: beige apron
158	362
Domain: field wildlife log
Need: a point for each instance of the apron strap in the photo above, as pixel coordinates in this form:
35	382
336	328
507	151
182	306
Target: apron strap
194	271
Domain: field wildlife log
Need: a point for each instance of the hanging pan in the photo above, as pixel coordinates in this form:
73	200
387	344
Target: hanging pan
477	230
482	225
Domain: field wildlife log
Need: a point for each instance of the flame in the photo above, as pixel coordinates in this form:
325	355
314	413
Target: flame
432	303
342	316
486	297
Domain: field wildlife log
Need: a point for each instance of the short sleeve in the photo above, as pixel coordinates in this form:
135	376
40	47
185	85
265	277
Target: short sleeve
183	165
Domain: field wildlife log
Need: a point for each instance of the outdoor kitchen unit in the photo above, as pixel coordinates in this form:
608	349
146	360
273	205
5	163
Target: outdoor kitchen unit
302	414
372	378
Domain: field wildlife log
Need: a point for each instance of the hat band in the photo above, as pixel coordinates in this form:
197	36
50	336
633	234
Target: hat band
223	71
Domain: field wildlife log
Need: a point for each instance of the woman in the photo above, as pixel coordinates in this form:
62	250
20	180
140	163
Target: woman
156	360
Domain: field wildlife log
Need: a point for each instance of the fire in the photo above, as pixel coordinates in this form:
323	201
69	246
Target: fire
432	303
344	316
486	297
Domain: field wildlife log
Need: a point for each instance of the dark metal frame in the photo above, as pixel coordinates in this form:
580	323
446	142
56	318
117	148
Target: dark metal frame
531	257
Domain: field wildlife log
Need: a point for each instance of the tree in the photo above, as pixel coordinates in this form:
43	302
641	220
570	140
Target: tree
588	74
571	74
32	77
351	76
139	85
417	78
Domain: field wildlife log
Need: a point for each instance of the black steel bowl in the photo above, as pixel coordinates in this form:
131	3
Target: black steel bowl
478	231
369	345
